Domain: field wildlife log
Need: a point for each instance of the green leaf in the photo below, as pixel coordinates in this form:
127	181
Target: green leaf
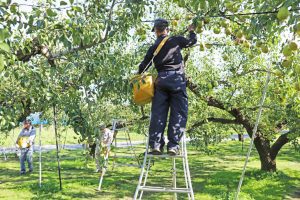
50	12
71	1
4	34
1	63
5	47
13	8
63	3
77	8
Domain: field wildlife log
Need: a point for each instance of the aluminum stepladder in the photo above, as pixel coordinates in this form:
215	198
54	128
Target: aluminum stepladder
141	187
115	122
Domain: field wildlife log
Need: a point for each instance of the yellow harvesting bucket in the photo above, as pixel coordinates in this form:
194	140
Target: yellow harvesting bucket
22	142
143	88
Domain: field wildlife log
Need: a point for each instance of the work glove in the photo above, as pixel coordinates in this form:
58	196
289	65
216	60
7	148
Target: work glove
17	146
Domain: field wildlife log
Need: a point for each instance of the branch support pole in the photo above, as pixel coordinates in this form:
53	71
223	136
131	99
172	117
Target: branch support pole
56	141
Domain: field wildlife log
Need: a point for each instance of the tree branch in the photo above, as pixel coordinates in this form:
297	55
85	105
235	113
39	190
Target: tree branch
212	119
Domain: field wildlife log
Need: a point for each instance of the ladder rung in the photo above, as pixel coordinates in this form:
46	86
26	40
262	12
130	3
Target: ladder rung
163	189
164	156
117	156
127	165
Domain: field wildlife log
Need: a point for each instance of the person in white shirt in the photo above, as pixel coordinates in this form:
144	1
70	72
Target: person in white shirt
25	143
106	138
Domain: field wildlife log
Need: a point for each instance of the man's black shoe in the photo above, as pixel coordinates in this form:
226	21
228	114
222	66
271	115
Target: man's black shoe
30	171
22	173
173	152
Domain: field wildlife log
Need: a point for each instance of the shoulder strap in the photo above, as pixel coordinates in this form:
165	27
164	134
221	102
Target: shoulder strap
161	44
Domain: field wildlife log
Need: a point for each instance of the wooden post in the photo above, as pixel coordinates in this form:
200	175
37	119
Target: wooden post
57	155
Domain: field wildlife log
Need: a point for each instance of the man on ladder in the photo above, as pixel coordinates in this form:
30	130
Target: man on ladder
170	94
170	88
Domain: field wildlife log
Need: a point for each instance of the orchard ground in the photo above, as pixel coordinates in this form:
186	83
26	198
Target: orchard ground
214	176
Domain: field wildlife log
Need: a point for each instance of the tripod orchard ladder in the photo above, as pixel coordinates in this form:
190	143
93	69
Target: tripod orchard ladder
141	187
106	154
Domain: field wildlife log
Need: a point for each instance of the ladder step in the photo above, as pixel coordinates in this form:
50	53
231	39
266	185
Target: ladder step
164	189
165	156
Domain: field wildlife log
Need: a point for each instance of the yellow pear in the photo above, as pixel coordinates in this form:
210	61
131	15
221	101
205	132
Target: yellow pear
287	63
228	31
239	34
216	30
297	28
174	23
283	13
206	20
293	46
287	51
264	48
297	69
259	43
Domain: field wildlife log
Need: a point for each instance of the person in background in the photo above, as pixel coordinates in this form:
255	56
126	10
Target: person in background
106	137
25	143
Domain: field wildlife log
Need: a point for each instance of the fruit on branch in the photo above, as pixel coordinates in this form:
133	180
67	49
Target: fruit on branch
287	51
239	34
259	43
174	23
287	63
283	13
293	46
206	20
264	48
297	29
228	31
216	30
224	23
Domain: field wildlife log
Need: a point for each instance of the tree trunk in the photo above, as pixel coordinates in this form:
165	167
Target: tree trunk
263	148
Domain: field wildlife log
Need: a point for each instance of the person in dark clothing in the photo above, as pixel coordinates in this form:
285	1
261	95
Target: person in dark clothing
170	88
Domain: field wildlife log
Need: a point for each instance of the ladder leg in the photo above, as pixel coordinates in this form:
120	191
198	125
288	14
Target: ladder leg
142	172
187	168
146	176
133	150
174	177
103	170
184	170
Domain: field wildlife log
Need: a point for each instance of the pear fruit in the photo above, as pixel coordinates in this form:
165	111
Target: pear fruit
259	43
174	23
206	20
287	51
297	28
228	31
239	34
224	23
247	44
297	86
216	30
283	13
264	48
293	46
287	63
297	69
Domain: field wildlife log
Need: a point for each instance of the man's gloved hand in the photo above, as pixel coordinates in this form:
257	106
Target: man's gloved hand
191	27
17	146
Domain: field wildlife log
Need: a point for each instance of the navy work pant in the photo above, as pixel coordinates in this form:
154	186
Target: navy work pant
170	94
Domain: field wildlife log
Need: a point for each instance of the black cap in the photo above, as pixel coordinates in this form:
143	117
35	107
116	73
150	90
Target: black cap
160	22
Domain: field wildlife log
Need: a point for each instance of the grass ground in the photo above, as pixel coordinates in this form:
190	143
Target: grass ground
214	177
